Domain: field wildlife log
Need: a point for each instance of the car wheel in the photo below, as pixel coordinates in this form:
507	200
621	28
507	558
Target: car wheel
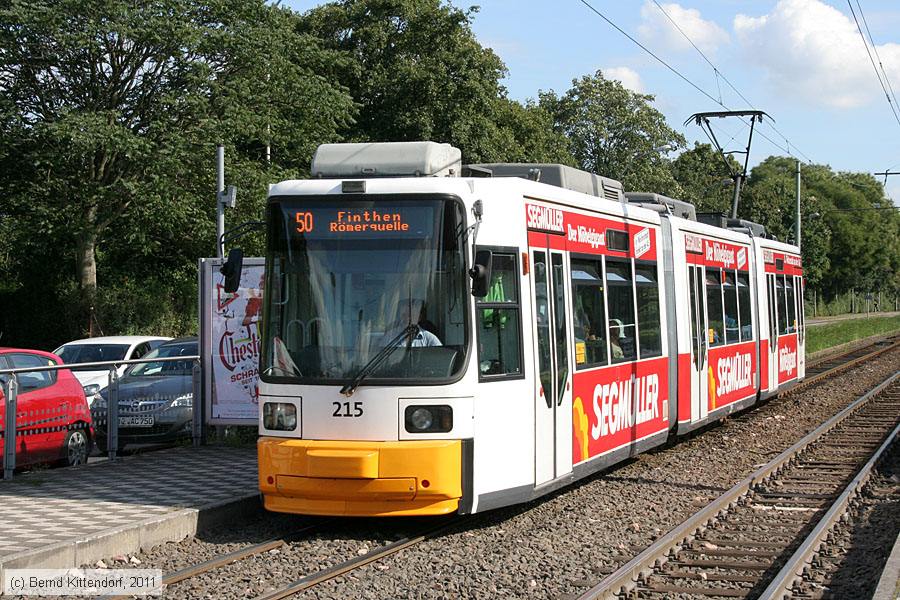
76	448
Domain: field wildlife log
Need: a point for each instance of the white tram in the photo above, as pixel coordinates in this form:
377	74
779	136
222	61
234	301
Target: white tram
438	343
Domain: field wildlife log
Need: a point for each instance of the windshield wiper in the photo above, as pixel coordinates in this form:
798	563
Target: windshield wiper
272	368
379	358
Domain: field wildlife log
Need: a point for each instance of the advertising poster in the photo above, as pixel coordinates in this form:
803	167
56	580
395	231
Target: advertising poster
232	343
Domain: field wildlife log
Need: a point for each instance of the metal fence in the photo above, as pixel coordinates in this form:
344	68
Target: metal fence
145	414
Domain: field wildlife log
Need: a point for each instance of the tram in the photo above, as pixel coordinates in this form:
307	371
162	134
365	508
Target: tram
441	338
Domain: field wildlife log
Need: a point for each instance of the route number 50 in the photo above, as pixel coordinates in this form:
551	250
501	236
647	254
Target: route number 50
304	222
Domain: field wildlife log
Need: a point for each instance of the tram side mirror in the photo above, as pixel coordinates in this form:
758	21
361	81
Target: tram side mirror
232	270
481	273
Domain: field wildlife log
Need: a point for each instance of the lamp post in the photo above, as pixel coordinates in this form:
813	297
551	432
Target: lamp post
797	224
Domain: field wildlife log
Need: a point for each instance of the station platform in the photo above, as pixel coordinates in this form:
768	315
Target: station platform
889	582
61	518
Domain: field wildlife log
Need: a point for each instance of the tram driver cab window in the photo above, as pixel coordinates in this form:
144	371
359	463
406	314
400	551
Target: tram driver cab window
497	320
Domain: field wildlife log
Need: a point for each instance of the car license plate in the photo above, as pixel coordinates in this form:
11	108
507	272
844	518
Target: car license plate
136	421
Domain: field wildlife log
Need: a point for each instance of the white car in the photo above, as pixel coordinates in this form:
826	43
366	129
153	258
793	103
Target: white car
100	349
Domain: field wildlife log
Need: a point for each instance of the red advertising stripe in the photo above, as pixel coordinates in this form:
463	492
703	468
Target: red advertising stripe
787	357
615	406
589	234
732	374
685	372
780	262
716	253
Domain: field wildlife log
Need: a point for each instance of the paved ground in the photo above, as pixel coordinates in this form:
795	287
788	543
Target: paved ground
52	514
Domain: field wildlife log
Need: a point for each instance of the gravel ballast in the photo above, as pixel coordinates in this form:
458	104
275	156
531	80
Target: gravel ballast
850	564
555	547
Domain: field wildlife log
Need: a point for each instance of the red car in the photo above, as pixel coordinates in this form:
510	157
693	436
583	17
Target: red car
53	421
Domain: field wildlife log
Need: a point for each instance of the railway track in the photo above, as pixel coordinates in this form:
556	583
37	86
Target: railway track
312	579
373	555
834	365
755	540
816	372
230	557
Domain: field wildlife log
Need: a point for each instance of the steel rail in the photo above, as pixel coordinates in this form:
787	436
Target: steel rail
226	559
626	577
355	563
809	381
793	570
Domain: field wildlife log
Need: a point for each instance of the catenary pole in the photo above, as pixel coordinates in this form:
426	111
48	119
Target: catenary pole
797	225
220	209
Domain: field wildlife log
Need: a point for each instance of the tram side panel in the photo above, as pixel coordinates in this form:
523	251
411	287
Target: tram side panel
718	352
687	350
504	423
782	271
576	400
620	400
768	334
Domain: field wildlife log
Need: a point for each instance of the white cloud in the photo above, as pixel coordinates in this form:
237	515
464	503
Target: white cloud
656	28
629	78
813	52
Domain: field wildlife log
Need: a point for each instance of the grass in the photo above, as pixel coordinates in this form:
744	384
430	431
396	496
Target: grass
820	337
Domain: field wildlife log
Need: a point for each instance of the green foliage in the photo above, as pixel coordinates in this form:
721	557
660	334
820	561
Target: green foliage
848	240
705	178
820	337
615	132
416	71
111	111
111	118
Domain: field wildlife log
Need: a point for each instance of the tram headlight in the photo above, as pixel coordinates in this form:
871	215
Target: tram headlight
429	419
279	416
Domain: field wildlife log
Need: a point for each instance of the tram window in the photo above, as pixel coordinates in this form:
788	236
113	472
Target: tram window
590	313
773	332
791	305
559	321
620	296
499	325
714	312
781	304
617	240
732	325
647	289
745	307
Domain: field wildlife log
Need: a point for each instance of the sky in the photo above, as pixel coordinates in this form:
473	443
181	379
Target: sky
803	62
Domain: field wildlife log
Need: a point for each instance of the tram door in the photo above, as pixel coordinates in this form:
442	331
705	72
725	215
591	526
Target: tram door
553	396
773	284
699	342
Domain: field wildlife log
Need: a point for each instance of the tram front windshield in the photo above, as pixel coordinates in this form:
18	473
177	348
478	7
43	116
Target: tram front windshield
346	277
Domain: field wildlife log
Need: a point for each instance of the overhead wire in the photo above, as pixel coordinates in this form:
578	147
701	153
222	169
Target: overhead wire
679	74
720	74
875	49
872	60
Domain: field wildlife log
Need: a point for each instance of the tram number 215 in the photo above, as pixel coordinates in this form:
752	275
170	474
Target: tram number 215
343	409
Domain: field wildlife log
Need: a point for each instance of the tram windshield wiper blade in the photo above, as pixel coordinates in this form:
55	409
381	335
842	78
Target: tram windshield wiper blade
379	358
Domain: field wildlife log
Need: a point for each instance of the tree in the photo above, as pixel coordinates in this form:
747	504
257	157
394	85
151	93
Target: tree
615	132
114	109
704	178
416	71
849	241
526	134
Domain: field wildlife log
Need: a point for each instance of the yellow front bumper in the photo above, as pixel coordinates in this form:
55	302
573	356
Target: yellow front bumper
315	477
